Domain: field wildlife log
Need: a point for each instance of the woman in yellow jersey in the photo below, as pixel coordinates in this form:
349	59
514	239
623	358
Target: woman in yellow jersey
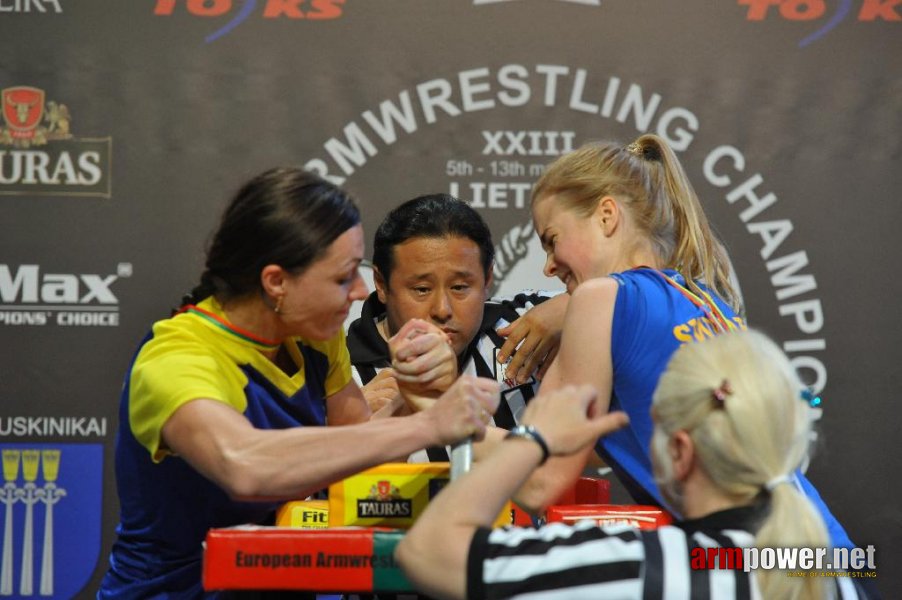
224	408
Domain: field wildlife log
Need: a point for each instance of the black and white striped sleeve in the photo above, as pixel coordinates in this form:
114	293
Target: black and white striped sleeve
587	561
525	300
556	561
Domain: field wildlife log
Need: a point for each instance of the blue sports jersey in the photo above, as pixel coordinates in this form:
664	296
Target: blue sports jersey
166	506
652	318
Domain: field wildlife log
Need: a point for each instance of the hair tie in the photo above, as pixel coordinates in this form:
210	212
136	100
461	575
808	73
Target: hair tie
812	399
779	479
649	153
720	393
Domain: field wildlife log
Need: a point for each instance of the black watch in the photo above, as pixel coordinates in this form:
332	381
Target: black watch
531	433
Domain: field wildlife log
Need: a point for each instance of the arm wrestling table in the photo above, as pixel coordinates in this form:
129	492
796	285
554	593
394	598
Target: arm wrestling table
358	559
347	559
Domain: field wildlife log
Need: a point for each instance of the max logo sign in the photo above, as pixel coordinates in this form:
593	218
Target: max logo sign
51	503
818	10
241	10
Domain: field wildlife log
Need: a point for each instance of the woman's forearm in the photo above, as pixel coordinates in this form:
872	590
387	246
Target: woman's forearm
546	483
250	463
319	456
550	481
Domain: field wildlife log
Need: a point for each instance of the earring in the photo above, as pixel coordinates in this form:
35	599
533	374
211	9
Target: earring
278	307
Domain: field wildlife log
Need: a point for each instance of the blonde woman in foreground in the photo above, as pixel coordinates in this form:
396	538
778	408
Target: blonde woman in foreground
730	427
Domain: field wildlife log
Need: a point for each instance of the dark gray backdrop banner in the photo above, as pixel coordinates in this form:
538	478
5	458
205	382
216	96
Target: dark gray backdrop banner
126	127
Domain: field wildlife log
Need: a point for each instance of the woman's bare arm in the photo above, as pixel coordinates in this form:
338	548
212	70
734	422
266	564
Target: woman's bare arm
250	463
584	358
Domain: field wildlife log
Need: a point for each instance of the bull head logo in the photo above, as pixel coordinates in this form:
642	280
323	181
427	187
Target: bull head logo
23	107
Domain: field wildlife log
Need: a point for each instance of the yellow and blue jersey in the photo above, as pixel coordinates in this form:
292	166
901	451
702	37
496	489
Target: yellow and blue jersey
166	506
654	314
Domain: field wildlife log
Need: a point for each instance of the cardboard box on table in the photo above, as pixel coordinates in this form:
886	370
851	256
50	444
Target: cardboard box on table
634	515
586	490
284	558
367	514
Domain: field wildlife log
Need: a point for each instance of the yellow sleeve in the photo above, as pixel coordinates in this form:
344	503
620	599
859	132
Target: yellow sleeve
170	370
336	351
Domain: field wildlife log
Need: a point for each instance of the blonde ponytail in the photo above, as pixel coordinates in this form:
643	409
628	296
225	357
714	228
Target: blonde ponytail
792	523
647	178
749	439
697	253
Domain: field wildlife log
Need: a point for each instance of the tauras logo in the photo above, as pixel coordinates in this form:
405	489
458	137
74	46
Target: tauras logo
44	157
29	122
384	508
36	167
384	500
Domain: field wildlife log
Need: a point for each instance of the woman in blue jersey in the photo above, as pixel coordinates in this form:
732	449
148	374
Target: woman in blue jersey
729	429
224	408
624	230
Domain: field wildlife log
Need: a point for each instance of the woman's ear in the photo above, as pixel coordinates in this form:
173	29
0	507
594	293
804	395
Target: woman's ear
682	454
272	278
608	215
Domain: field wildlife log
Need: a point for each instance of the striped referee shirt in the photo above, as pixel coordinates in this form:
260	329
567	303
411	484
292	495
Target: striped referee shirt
369	355
584	560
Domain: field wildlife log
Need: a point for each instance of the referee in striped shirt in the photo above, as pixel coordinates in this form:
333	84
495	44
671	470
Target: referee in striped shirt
730	429
433	258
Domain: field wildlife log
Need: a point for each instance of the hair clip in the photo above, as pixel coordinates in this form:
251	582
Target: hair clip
810	397
635	149
720	393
